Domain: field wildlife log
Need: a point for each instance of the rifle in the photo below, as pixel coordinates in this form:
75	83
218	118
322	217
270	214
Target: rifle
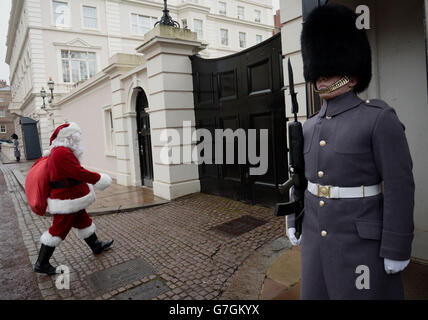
297	178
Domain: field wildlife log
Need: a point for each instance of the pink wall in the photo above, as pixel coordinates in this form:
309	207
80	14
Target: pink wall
86	110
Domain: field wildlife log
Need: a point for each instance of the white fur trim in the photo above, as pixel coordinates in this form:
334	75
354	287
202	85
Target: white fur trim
68	131
104	182
57	206
49	240
86	232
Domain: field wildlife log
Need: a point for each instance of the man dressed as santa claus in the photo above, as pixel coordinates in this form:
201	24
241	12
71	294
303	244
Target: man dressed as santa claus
71	193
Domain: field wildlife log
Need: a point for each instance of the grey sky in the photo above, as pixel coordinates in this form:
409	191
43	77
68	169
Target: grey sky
4	23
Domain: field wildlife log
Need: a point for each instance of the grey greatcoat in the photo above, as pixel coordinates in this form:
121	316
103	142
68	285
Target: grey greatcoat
364	144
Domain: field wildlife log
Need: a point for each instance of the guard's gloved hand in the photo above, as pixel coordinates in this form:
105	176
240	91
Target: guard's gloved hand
394	266
291	234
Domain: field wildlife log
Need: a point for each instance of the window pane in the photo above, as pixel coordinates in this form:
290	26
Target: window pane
90	23
83	70
92	69
222	8
241	13
145	24
198	27
75	70
64	53
258	38
242	42
60	12
257	14
65	71
91	56
89	12
224	37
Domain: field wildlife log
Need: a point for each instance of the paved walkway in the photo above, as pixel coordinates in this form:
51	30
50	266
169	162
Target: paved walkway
178	250
17	280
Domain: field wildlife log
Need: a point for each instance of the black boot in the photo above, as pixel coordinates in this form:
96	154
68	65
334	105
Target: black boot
96	245
42	264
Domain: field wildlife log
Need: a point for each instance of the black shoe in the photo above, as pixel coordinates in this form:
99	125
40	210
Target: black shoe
42	264
96	245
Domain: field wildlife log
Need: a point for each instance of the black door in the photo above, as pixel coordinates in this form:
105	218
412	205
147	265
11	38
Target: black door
244	90
30	138
144	139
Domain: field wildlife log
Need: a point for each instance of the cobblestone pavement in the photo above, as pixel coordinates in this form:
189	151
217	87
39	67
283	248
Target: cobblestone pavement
175	239
17	280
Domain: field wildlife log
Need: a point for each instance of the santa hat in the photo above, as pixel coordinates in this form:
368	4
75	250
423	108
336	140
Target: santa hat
65	130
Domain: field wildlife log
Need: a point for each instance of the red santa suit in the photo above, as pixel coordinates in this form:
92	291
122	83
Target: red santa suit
71	188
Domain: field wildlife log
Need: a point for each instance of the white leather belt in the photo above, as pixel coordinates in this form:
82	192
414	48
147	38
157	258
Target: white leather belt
343	192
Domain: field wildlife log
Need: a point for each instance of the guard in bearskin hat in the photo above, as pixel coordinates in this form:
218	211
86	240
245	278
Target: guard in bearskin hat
358	224
71	193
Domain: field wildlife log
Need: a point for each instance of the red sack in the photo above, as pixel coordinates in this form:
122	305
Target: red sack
37	186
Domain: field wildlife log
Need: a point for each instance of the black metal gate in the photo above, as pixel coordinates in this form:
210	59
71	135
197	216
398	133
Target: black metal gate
30	138
244	90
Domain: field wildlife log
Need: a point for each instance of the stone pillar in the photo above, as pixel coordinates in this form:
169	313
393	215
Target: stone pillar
119	64
170	96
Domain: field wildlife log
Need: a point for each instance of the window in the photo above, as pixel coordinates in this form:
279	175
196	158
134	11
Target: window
184	23
241	13
258	38
198	27
109	131
90	17
224	34
77	65
1	113
60	13
142	24
2	128
242	40
257	15
222	8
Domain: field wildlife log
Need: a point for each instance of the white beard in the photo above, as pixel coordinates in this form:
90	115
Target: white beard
72	142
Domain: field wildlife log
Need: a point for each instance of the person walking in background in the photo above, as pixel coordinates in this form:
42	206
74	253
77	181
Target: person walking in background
16	147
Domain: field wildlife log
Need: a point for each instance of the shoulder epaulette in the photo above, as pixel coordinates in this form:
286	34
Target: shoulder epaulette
377	103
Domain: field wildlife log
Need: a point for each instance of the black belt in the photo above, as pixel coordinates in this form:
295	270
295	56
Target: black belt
64	183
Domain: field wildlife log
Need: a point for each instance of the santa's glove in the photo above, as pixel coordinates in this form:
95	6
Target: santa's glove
394	266
291	234
104	182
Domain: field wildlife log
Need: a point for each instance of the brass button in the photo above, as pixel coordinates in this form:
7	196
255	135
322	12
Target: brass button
322	203
328	117
323	233
320	174
322	143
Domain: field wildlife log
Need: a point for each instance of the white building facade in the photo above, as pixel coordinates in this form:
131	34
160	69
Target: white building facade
71	41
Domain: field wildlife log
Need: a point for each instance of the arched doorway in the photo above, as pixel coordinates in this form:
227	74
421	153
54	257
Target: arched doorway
144	139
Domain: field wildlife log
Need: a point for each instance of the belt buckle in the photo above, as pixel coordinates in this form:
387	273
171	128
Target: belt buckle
323	191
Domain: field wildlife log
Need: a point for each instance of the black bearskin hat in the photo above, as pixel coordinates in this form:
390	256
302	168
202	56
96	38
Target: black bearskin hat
332	45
